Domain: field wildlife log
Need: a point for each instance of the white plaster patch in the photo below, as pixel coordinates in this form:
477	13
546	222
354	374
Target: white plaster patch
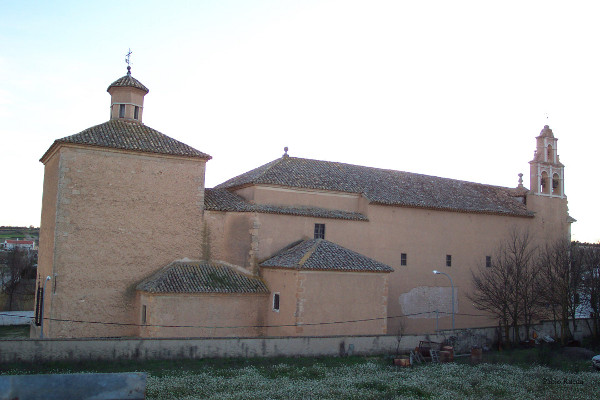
423	301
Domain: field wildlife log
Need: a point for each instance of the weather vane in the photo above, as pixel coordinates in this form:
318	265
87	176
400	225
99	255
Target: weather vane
128	61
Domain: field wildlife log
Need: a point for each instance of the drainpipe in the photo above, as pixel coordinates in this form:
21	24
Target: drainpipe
42	308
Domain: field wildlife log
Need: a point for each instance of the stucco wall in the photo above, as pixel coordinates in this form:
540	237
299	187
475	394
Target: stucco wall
344	296
264	194
128	96
426	236
284	282
244	311
120	217
318	301
229	237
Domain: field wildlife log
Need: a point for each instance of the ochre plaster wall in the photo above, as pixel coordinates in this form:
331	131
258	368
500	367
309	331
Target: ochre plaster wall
120	217
129	96
426	236
243	311
284	282
275	195
319	297
229	237
344	296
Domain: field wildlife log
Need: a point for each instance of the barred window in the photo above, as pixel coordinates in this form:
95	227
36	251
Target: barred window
319	231
403	260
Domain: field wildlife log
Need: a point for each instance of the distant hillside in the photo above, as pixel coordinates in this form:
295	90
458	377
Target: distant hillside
19	232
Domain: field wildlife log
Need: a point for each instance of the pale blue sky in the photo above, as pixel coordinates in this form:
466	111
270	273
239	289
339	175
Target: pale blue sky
454	89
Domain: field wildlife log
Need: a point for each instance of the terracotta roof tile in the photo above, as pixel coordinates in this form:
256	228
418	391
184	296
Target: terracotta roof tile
201	277
9	241
320	254
382	186
130	135
223	200
128	81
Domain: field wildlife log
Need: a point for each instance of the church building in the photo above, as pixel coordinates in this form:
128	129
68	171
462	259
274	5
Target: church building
133	244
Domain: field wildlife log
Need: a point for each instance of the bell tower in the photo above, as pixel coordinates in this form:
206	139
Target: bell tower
546	171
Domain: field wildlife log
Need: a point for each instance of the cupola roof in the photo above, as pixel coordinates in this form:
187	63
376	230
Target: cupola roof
128	81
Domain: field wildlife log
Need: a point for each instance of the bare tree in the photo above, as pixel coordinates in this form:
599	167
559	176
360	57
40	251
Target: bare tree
508	288
18	265
590	287
561	276
491	292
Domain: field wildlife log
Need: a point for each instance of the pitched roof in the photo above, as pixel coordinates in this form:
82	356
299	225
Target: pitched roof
201	277
9	241
223	200
383	186
128	81
322	255
130	135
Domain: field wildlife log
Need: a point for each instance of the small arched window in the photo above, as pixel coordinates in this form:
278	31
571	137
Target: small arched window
555	184
549	154
544	183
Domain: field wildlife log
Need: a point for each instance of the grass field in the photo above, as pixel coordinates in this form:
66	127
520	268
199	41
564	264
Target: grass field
342	378
14	332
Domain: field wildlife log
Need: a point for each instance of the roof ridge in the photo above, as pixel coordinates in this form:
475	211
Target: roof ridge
310	252
273	163
400	171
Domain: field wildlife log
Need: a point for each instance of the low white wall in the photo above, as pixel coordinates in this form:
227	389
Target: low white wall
193	348
34	350
16	317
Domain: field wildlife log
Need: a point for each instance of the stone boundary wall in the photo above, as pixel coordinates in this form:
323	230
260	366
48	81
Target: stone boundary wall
37	350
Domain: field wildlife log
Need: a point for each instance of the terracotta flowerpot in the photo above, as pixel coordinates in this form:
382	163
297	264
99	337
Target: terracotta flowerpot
450	350
402	361
476	355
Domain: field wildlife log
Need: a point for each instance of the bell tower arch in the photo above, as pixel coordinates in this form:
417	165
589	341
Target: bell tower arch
546	171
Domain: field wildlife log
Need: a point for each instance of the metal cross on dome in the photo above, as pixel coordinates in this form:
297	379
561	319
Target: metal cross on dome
128	61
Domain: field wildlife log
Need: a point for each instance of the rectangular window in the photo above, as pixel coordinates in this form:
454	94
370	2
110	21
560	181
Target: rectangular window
403	259
448	260
136	112
122	111
488	261
276	302
144	315
319	231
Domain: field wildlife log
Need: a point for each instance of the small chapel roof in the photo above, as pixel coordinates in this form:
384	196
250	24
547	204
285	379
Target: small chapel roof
223	200
201	277
384	186
132	136
322	255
